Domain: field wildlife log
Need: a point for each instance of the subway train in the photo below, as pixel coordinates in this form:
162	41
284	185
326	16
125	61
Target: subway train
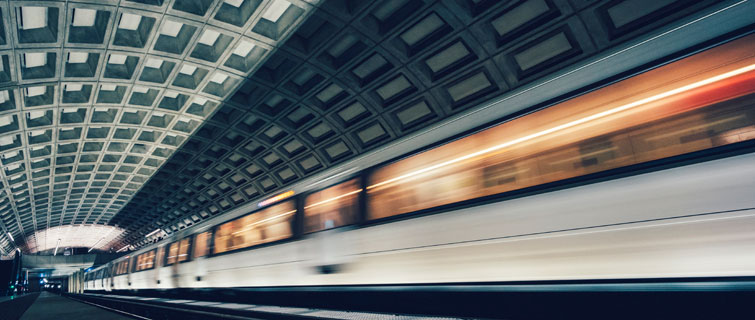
648	177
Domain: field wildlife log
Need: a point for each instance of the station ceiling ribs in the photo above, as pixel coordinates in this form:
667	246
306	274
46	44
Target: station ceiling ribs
97	95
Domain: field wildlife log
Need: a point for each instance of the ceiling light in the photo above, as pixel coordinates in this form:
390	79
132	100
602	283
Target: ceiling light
83	17
78	57
11	237
34	59
171	28
153	233
276	10
6	140
243	48
219	78
187	69
108	87
140	89
129	21
117	59
154	63
36	114
4	96
209	37
74	87
10	154
235	3
200	101
5	120
171	94
95	245
33	18
35	91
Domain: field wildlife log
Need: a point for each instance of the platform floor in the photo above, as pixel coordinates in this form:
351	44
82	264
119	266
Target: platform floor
55	307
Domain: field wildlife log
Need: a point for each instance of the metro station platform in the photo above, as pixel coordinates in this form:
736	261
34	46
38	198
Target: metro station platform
52	306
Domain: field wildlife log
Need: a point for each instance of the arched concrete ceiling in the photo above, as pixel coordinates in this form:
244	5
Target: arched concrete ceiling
96	95
194	130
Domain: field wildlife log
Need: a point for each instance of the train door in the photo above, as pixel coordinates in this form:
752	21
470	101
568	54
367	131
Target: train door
200	250
110	270
328	214
129	268
159	263
106	280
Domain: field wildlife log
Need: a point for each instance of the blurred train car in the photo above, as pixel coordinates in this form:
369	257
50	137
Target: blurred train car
649	177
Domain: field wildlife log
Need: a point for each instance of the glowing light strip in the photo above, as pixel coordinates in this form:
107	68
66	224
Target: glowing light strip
249	227
11	237
56	248
567	125
121	249
276	198
95	244
330	178
332	199
152	233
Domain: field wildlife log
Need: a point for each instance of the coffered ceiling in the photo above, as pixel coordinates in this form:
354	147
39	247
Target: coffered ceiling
95	96
160	114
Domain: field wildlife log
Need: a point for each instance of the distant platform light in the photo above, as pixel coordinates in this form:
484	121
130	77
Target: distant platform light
153	232
275	198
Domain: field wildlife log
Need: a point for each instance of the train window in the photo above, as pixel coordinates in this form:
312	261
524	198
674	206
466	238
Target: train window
333	207
700	102
183	249
201	244
172	253
178	252
145	261
266	225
